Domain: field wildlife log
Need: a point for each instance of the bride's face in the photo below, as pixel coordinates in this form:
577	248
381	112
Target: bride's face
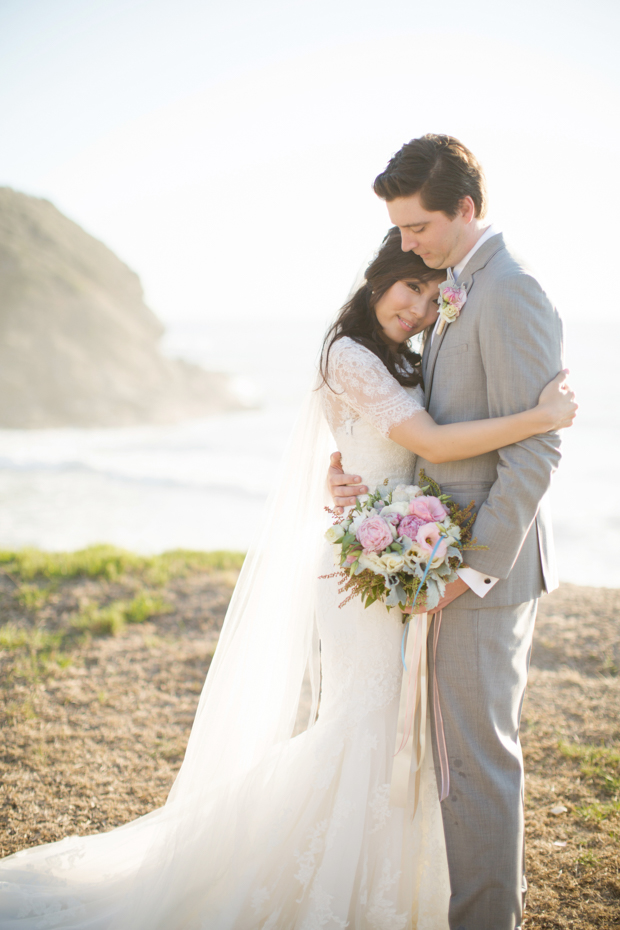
406	308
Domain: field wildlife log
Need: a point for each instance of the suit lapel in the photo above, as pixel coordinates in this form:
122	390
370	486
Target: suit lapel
432	360
425	355
478	260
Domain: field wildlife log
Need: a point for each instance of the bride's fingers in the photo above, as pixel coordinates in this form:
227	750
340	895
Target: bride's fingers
561	381
343	501
345	486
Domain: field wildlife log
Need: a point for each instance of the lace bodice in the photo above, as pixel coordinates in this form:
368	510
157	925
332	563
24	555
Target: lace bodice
362	403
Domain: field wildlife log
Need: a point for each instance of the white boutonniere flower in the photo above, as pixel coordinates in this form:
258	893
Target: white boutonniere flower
452	297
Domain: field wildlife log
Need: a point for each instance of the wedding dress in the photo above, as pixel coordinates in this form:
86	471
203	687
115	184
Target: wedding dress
264	830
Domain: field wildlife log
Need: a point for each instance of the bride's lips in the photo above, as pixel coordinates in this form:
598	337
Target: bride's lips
406	326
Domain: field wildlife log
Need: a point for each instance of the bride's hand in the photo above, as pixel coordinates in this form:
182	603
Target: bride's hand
342	487
557	403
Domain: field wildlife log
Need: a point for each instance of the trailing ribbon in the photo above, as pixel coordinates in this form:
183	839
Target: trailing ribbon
411	731
439	732
407	765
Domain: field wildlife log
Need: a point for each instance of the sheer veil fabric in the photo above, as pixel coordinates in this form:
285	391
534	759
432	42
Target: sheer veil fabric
151	873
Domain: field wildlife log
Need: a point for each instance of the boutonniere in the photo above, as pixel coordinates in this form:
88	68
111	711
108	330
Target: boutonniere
451	300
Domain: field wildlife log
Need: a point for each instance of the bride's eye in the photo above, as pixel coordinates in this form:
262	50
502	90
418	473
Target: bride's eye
414	287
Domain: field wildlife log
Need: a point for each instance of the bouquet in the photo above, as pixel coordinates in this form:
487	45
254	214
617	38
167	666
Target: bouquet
402	546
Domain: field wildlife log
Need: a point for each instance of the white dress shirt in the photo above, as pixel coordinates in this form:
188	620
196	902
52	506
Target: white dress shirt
479	583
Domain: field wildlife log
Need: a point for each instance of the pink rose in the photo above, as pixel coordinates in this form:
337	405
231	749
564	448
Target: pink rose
454	296
374	534
429	509
409	526
427	536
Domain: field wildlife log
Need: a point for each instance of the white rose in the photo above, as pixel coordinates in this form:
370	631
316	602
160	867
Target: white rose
372	561
454	531
400	507
405	492
334	533
449	313
393	562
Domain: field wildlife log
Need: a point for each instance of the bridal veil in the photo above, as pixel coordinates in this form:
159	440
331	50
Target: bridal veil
151	873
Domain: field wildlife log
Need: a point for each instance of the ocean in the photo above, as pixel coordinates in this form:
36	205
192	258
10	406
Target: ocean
202	484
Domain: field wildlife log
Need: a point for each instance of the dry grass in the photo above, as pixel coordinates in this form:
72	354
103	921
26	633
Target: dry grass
571	743
101	672
95	725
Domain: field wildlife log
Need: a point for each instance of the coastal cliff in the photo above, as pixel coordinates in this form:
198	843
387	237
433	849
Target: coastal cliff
78	344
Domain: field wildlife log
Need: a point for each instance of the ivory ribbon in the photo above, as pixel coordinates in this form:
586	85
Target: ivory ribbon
439	732
411	728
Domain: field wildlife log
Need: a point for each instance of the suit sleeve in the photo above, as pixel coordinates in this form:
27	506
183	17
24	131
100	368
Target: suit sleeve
521	347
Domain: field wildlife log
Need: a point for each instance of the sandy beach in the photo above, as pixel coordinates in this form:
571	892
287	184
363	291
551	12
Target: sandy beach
103	656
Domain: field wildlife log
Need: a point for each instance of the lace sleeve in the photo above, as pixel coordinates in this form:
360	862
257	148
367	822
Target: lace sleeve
363	382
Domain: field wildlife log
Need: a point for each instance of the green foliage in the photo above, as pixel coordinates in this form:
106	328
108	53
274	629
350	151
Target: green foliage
587	858
35	649
111	618
32	596
181	562
144	606
31	652
598	810
14	637
111	563
100	621
599	764
92	562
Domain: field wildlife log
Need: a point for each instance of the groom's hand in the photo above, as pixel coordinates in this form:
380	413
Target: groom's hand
343	488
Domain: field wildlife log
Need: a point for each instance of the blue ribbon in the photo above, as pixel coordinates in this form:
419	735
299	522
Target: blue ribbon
406	630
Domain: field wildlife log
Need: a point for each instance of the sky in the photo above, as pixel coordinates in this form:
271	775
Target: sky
226	151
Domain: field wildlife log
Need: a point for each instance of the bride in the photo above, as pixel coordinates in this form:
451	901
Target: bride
264	828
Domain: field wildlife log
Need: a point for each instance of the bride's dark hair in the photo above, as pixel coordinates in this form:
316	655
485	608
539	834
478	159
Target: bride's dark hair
358	319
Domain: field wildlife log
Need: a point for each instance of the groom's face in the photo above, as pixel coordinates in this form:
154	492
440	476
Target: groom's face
437	238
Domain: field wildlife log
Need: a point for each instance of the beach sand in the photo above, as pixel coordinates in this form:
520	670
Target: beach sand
95	726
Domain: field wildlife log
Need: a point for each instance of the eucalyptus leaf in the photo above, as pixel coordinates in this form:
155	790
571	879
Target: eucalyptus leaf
395	596
432	594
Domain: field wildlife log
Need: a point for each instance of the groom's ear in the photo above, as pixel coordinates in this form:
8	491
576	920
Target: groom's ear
467	209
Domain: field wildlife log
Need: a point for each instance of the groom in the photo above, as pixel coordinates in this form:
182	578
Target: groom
494	359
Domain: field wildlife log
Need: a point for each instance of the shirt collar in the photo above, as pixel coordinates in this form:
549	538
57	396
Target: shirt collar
489	231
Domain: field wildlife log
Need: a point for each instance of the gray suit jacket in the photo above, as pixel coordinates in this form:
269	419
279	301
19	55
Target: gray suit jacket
494	360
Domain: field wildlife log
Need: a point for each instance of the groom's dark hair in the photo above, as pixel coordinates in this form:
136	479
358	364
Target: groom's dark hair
441	169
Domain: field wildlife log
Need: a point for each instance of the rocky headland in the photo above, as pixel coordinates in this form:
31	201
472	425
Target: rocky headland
78	344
